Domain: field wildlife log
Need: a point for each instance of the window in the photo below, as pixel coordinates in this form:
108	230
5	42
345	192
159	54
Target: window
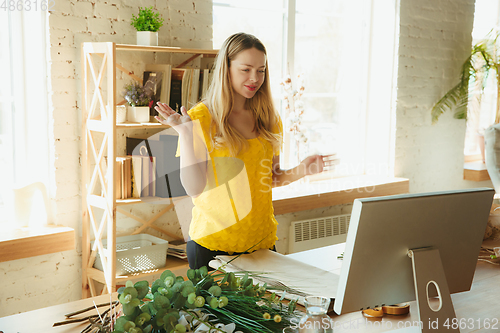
24	153
486	20
330	44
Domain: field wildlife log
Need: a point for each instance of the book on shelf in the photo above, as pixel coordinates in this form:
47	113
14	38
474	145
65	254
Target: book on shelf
137	176
165	174
118	178
152	83
128	177
175	101
155	148
172	166
166	72
148	176
205	79
190	87
123	181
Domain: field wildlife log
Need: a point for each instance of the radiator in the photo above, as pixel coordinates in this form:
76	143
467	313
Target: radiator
314	233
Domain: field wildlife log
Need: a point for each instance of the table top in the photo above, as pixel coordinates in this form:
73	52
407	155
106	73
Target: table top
41	320
478	310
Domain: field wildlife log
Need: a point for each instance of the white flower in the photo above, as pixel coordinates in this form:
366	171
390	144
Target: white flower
299	104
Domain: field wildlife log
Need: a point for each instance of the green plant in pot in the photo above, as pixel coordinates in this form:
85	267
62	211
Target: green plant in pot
147	23
465	97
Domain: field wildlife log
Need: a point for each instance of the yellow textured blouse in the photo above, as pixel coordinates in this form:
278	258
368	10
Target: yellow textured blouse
235	212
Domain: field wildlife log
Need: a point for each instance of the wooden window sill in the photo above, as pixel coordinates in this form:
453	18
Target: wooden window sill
476	171
330	192
30	242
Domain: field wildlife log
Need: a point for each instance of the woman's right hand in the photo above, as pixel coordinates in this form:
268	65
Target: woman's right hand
179	122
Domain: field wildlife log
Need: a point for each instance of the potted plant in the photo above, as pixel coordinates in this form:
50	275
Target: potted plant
147	24
138	101
465	97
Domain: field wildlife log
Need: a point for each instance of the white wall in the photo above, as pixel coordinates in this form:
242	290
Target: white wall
435	39
46	280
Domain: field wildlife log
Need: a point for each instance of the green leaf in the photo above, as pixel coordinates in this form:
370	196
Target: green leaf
161	301
475	71
142	288
120	323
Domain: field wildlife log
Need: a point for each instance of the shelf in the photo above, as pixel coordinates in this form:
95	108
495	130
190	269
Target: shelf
168	49
476	171
128	125
24	242
99	145
173	264
297	197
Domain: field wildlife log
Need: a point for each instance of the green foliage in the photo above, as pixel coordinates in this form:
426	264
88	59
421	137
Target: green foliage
482	61
230	298
147	20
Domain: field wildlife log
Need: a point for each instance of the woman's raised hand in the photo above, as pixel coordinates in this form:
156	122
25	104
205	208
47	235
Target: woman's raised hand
179	122
319	163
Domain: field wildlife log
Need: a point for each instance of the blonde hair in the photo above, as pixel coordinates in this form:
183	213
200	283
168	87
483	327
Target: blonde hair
219	99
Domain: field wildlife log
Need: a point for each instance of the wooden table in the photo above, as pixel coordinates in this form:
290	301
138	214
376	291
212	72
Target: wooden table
41	320
478	306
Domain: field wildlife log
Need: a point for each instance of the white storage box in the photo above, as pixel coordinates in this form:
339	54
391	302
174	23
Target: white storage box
136	253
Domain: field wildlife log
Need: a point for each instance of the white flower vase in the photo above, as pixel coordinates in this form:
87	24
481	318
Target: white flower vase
138	114
147	38
121	114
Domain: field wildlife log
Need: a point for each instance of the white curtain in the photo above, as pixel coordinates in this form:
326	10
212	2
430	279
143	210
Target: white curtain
24	116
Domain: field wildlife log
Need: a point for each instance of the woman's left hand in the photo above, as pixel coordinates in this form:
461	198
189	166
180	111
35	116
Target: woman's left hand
318	163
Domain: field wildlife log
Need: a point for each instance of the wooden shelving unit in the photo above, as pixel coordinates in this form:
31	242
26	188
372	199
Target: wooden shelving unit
99	206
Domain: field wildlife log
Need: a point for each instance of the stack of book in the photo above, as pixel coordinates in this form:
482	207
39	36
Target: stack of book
177	249
136	177
150	169
175	86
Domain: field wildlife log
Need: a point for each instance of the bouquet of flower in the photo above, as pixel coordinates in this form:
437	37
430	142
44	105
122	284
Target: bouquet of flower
135	95
205	302
294	110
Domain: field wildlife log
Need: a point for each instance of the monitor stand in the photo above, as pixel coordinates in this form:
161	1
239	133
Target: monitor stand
427	270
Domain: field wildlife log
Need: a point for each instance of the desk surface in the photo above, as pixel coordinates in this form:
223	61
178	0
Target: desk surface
41	320
479	305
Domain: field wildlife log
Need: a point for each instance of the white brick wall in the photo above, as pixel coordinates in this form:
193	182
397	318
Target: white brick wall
56	278
435	39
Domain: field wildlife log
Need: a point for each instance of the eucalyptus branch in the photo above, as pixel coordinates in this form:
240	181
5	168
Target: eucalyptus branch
209	324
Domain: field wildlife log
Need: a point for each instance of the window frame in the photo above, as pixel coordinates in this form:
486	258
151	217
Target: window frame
381	163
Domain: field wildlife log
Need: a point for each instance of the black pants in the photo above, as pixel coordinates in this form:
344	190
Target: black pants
199	256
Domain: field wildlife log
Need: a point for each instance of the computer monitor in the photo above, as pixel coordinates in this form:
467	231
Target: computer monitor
377	269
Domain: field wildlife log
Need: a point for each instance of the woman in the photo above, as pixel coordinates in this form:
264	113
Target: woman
229	146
